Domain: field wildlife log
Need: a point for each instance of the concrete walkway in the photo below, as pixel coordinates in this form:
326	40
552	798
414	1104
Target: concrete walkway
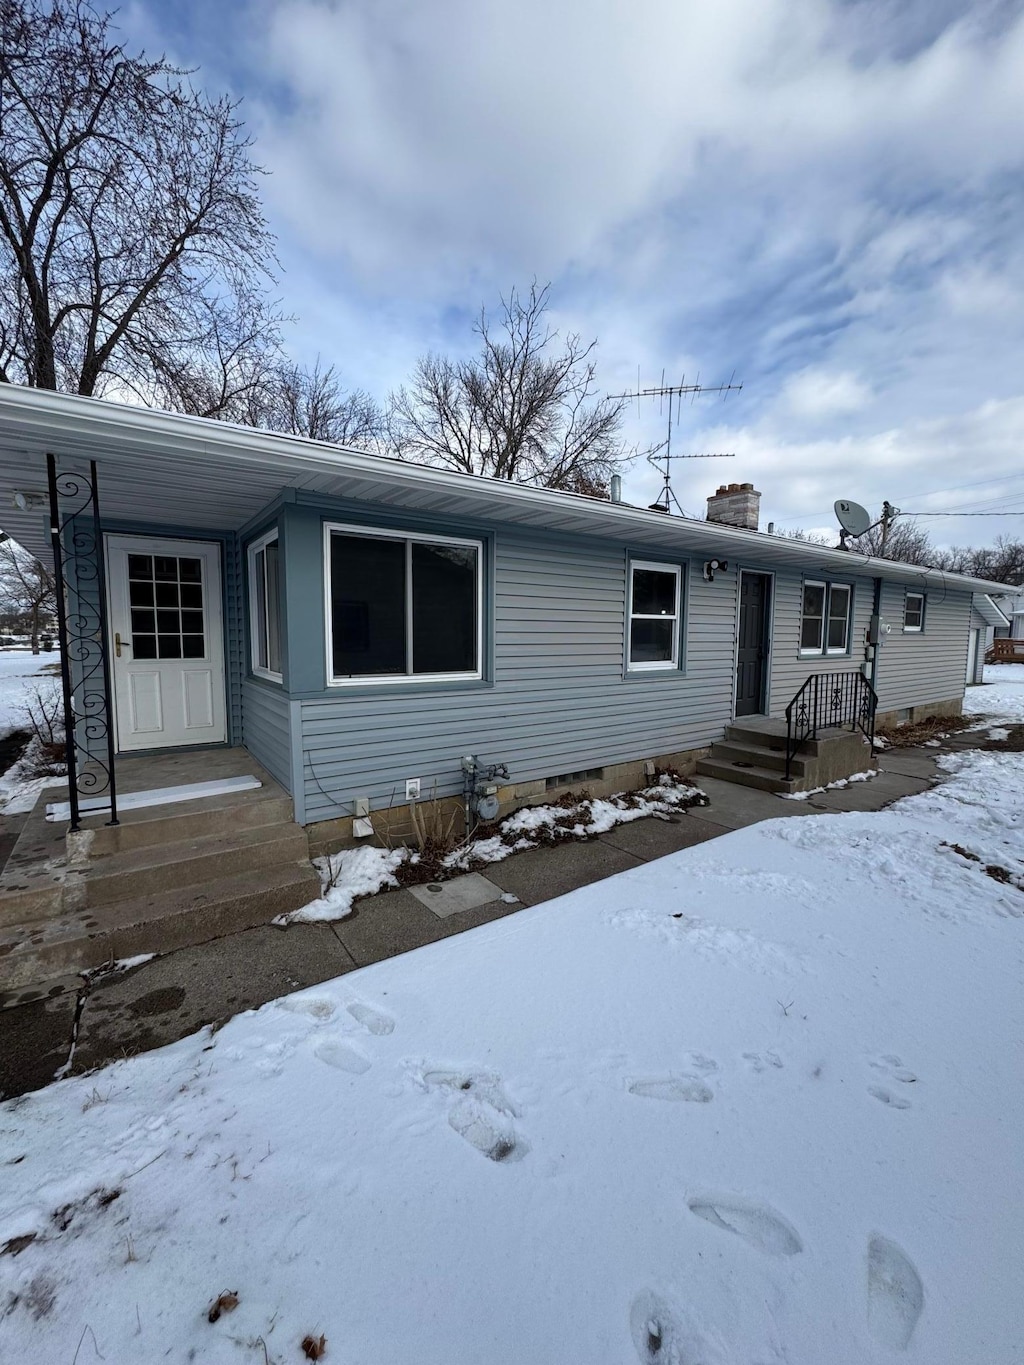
172	996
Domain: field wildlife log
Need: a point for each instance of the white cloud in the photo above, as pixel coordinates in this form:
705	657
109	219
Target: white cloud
815	393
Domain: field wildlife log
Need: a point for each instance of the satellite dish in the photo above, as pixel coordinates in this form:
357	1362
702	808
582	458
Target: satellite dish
853	518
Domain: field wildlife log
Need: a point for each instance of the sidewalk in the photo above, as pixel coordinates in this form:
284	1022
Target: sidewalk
172	996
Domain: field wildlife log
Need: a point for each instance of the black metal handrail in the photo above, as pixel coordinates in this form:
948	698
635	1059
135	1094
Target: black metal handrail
830	700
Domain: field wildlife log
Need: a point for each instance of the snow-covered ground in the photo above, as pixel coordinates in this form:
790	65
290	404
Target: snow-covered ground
18	668
760	1101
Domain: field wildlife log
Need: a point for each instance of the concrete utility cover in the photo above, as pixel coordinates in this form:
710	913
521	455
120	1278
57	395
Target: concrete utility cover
461	893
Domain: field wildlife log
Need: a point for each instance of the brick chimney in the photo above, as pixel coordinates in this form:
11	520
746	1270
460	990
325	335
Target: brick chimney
735	504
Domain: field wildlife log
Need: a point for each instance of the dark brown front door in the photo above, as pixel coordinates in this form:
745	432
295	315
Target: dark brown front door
752	658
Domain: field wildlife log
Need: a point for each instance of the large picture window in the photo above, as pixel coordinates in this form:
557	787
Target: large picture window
402	606
654	600
825	618
265	607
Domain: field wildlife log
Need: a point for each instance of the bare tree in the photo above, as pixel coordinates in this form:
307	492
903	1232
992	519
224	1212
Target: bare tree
312	402
524	409
134	254
905	541
1002	562
27	590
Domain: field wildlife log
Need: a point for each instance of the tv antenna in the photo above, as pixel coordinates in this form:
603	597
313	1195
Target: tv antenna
661	457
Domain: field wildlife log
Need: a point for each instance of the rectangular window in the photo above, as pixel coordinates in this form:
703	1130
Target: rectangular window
913	611
812	625
825	618
654	598
838	636
265	606
402	606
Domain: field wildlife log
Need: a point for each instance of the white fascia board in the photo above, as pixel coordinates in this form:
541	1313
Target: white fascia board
121	432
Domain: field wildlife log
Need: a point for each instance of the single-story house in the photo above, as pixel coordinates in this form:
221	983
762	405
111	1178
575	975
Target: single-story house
360	624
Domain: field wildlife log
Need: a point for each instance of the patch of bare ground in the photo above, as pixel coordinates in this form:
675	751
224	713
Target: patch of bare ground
932	727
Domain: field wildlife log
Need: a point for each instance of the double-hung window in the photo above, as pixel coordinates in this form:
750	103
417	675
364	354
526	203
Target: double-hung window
913	611
265	607
402	606
825	618
655	592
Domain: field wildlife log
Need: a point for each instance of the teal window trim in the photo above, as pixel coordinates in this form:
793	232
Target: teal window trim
667	669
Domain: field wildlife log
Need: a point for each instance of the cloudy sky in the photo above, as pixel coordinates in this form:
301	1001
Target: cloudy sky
822	198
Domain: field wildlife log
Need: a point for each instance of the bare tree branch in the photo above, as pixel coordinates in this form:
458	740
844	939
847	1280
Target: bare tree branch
521	410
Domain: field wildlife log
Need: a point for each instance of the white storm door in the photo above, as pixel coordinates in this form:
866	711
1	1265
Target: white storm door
167	641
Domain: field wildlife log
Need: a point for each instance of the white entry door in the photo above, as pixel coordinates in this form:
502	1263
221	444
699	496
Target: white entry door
167	641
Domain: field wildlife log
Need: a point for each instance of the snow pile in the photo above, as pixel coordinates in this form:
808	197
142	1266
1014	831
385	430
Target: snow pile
359	872
865	776
758	1101
344	877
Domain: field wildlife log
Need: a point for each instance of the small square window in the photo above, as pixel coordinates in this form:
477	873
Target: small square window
913	611
655	591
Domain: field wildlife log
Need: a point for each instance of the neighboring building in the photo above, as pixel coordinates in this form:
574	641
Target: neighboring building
356	622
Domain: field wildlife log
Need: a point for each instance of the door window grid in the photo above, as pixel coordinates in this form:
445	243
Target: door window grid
165	594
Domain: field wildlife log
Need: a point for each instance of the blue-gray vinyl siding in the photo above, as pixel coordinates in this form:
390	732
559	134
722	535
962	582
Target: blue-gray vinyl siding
266	728
928	665
790	668
558	701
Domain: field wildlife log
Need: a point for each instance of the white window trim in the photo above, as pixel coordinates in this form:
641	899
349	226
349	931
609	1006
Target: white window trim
253	550
812	651
913	630
832	649
409	537
657	665
824	650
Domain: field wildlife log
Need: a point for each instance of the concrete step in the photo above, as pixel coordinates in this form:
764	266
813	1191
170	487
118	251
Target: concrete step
766	779
168	867
760	756
210	815
738	733
87	939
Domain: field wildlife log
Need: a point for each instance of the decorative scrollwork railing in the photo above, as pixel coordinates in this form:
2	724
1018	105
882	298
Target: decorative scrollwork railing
84	638
830	700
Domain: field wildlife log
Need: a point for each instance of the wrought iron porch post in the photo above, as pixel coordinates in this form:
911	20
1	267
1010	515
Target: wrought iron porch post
64	641
84	635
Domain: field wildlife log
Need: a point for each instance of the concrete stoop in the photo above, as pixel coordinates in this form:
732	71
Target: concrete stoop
753	754
167	877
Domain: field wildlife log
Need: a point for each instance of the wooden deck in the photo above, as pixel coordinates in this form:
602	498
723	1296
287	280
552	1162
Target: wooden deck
1004	651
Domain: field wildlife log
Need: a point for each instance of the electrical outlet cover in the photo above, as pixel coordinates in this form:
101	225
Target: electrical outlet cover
412	788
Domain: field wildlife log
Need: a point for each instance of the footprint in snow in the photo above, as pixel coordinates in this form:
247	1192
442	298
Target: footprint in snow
895	1294
761	1061
372	1020
661	1335
316	1006
690	1089
761	1226
342	1056
884	1096
891	1069
481	1113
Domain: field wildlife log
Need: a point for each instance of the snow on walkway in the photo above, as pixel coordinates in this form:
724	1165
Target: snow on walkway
1000	696
760	1101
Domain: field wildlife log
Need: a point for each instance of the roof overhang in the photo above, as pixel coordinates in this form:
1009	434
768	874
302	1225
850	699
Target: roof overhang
989	612
176	471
